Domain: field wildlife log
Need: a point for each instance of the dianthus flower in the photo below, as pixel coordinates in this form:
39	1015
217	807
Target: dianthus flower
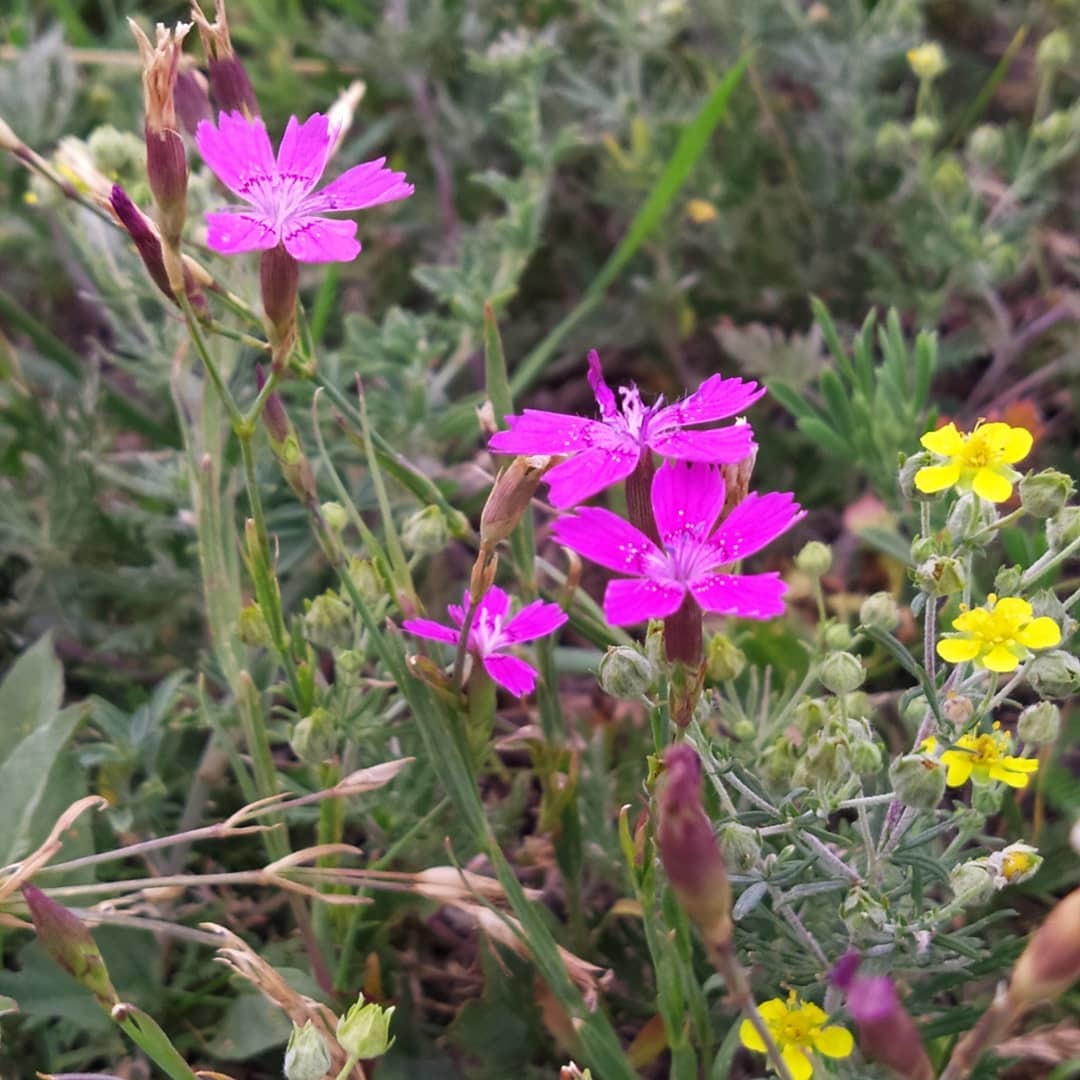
686	499
998	636
283	207
491	633
798	1029
1014	864
986	757
603	452
980	461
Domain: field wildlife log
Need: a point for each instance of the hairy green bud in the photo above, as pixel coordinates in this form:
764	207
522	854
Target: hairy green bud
1064	528
987	798
1054	51
906	477
972	883
1054	674
314	739
918	780
941	575
1044	494
970	515
625	673
724	660
426	532
335	515
925	129
814	559
1039	723
1008	579
740	845
838	636
986	145
879	611
328	621
366	580
841	672
927	61
306	1056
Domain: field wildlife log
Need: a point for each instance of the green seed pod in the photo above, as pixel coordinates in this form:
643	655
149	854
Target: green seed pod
1039	723
814	559
918	780
724	660
740	845
864	751
879	611
838	636
972	883
366	580
841	672
941	575
426	532
1044	494
335	515
1055	674
625	673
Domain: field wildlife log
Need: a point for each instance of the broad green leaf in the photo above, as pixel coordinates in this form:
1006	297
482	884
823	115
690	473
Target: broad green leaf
30	695
250	1026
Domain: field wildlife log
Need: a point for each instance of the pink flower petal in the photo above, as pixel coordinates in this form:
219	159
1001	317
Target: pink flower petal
233	231
494	604
539	432
238	151
359	187
718	446
686	500
607	539
589	472
319	239
715	399
303	151
751	596
511	674
425	628
756	521
604	397
533	621
632	601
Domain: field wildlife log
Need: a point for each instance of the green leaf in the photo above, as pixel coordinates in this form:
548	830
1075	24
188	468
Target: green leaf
832	338
820	432
30	694
250	1026
792	400
839	406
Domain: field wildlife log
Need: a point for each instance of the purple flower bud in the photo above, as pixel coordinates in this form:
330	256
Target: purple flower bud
192	99
286	447
689	849
279	276
229	81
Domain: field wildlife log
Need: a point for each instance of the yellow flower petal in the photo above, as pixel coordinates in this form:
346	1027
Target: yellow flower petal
1013	771
959	765
933	478
945	441
836	1042
970	622
929	744
814	1014
957	650
773	1010
1040	633
797	1062
1014	608
990	484
1000	658
750	1038
1016	445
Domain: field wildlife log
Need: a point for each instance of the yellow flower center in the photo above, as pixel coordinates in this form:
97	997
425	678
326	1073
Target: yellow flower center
1016	864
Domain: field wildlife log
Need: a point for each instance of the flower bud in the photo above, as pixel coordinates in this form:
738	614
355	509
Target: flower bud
864	751
814	559
949	179
891	142
689	849
957	708
64	936
986	145
1051	962
925	129
425	532
927	61
740	845
510	497
228	80
1044	494
736	476
251	627
987	798
778	764
1039	723
625	673
306	1056
918	780
314	739
1014	865
838	636
366	580
1008	580
924	547
285	445
1054	52
724	660
841	672
364	1031
879	611
574	1072
328	621
906	477
279	277
335	515
940	575
1064	528
970	515
972	883
191	98
1054	674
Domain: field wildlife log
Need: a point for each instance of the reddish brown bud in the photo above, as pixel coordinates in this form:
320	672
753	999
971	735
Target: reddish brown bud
64	936
279	276
689	849
286	447
510	497
192	99
229	81
1051	962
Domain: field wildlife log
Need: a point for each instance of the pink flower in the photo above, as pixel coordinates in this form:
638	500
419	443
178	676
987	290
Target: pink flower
491	633
687	499
282	206
608	450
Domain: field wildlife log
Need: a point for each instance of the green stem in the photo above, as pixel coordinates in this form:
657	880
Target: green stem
199	341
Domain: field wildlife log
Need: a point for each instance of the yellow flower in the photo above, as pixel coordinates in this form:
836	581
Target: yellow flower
986	757
797	1029
1014	864
927	60
979	461
999	635
700	211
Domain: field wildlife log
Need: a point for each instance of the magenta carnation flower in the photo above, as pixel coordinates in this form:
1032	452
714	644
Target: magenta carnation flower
687	498
608	450
492	633
283	207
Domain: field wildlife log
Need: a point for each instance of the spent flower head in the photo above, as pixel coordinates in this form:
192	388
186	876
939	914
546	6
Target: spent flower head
687	498
283	206
980	461
985	756
999	635
799	1028
491	633
603	452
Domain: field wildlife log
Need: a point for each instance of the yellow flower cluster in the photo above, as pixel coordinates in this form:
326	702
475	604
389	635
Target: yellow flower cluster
998	636
798	1029
980	461
985	756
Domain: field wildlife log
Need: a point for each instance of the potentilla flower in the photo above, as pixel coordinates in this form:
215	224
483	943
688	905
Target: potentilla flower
998	636
980	461
799	1029
492	633
283	206
986	757
686	501
1014	864
605	451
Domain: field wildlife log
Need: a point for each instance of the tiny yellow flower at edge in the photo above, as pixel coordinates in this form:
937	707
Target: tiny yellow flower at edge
985	757
998	636
980	461
798	1029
